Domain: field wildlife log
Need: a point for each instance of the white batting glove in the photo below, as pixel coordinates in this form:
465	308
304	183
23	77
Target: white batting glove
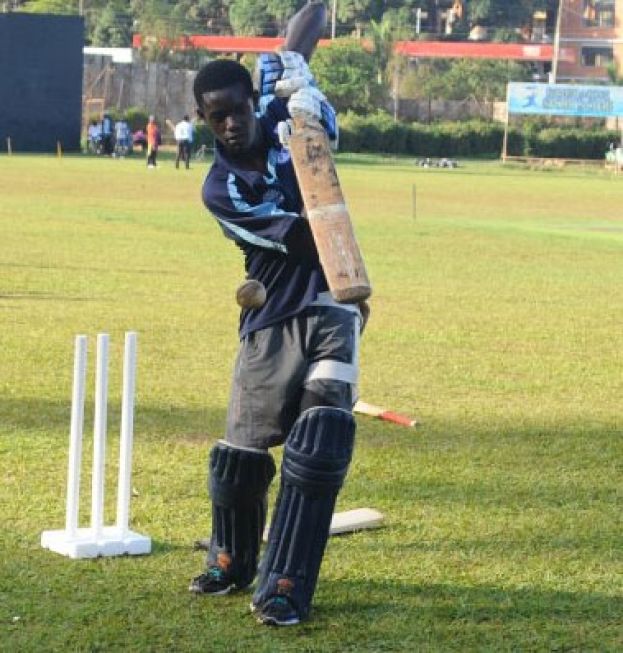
306	103
296	74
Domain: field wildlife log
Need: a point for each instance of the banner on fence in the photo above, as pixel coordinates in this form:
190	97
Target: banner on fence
565	100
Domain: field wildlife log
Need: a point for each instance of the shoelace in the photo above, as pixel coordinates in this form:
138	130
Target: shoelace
216	573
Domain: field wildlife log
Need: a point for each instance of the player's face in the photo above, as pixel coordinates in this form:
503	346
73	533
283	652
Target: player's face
230	114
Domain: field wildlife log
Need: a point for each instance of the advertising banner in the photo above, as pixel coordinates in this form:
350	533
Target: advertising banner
565	100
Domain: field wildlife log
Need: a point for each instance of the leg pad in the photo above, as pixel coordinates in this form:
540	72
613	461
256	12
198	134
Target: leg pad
315	461
239	481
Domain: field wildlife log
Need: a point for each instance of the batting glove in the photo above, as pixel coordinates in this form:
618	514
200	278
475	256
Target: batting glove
296	74
306	103
269	69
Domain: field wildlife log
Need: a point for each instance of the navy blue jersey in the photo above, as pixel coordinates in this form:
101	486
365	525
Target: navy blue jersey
261	214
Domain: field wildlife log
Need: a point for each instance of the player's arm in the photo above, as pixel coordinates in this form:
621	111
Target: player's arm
247	219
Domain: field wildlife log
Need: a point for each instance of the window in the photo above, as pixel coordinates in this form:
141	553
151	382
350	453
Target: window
597	57
598	13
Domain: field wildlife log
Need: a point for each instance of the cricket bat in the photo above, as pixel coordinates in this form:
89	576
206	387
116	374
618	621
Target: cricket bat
382	413
328	216
349	521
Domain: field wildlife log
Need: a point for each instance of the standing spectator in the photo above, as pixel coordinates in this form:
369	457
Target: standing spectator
122	138
184	139
153	141
107	134
94	136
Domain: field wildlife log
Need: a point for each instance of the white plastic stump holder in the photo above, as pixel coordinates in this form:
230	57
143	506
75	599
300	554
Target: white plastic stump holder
99	540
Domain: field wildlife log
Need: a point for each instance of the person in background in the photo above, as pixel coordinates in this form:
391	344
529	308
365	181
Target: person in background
139	139
122	138
94	136
153	141
184	139
107	134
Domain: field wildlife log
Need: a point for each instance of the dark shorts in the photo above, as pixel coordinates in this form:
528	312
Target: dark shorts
314	352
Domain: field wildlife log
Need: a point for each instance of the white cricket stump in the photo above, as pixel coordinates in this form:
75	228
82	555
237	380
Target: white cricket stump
97	539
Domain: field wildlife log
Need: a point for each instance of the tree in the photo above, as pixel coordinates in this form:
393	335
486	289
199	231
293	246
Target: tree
281	11
383	47
355	13
11	5
51	7
346	74
482	79
502	13
157	29
113	26
248	17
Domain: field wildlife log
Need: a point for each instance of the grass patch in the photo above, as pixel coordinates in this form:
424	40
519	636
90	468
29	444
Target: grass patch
495	318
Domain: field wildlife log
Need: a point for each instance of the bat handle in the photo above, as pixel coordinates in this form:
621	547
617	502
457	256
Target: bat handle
390	416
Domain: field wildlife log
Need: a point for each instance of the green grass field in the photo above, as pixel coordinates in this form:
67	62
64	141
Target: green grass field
496	320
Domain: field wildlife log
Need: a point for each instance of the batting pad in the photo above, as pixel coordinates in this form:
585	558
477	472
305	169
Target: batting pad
315	461
239	480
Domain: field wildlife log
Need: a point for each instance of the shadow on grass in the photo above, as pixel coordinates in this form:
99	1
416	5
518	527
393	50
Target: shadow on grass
370	602
35	294
34	417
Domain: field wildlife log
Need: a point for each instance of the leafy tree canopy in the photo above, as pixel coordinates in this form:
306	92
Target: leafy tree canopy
347	75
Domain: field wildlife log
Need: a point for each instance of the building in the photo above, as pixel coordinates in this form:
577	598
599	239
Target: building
591	33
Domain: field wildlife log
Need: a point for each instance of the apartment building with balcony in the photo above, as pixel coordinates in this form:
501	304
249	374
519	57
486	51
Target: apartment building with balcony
591	36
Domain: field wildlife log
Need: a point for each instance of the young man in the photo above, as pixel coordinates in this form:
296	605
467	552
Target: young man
296	370
184	139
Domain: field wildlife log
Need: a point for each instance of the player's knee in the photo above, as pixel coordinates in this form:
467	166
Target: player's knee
327	392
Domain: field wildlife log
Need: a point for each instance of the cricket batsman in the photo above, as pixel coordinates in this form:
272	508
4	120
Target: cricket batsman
295	375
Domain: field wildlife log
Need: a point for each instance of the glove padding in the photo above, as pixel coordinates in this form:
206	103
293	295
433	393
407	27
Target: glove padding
268	70
282	73
296	74
308	103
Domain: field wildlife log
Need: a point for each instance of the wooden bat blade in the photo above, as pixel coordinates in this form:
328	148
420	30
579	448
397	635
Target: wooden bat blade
355	520
327	213
305	29
348	521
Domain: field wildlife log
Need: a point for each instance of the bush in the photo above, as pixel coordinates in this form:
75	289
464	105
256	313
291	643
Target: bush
380	133
202	136
136	118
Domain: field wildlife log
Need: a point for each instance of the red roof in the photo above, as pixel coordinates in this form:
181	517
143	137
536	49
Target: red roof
424	49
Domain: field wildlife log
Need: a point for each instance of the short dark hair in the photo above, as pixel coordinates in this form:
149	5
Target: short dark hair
218	74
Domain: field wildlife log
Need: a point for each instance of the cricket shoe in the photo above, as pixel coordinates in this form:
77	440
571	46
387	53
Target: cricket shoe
276	611
214	581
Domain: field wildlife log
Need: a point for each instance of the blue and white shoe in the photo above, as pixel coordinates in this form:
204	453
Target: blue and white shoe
214	581
276	611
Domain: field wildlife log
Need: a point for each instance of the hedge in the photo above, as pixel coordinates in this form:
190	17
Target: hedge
379	133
